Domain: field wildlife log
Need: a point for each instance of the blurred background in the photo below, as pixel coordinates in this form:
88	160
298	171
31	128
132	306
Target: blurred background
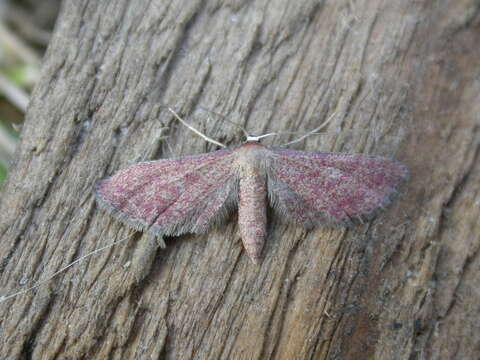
25	30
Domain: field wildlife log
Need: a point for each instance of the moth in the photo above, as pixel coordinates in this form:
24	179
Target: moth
192	194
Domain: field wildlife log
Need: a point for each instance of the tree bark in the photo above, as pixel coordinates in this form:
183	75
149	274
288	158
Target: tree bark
402	79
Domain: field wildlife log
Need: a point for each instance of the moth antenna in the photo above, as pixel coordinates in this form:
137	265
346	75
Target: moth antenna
224	118
41	282
205	137
325	123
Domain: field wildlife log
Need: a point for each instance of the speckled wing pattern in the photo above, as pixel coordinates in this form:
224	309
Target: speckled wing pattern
173	196
331	188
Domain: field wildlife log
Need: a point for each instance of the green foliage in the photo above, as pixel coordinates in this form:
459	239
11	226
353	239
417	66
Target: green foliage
3	175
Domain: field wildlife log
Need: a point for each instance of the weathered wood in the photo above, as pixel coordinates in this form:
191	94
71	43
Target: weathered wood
404	286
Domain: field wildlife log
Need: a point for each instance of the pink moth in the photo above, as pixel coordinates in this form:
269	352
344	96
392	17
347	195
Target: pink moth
193	193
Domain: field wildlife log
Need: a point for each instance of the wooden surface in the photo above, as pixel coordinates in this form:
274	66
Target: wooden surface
402	79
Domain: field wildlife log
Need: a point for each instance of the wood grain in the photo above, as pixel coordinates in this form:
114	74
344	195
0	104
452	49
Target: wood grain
403	81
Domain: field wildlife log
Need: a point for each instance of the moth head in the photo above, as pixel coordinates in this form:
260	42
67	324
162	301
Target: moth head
251	138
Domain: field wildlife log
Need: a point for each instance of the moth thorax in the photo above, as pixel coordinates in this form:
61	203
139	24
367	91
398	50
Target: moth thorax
251	156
